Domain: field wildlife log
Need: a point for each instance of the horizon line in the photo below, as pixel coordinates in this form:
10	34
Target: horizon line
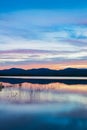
42	68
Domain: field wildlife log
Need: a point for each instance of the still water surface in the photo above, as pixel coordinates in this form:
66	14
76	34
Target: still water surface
42	106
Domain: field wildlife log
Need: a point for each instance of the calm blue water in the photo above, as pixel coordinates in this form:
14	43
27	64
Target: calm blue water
43	105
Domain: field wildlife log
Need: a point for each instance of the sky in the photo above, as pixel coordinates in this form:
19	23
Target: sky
43	34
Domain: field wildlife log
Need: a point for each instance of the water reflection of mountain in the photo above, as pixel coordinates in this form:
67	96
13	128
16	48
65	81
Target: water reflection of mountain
43	81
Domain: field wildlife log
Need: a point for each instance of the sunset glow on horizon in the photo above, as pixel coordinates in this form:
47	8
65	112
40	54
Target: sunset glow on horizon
49	66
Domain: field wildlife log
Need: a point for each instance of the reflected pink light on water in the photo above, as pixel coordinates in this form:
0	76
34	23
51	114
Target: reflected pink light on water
43	93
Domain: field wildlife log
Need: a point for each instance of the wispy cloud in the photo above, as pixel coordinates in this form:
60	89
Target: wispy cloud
40	56
45	36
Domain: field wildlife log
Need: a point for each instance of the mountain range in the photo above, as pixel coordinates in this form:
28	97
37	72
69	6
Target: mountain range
44	72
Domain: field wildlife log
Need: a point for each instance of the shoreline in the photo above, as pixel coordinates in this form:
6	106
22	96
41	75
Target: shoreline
45	77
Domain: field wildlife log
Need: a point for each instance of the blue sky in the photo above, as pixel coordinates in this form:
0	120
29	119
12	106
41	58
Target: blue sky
49	32
10	5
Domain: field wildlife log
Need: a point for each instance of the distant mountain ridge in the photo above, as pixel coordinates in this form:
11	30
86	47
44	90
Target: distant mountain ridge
44	72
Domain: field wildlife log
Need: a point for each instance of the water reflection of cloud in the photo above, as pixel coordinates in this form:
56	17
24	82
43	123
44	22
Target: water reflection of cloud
48	93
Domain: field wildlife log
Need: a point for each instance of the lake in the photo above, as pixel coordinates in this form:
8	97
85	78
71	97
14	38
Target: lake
43	104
